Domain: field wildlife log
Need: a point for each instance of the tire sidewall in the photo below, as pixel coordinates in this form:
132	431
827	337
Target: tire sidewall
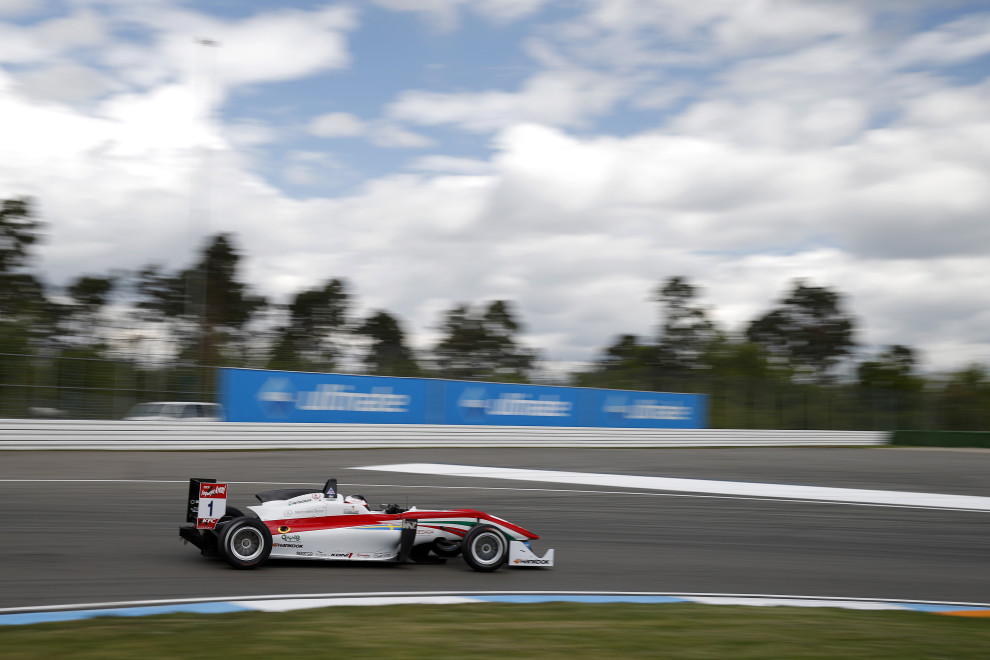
469	546
231	528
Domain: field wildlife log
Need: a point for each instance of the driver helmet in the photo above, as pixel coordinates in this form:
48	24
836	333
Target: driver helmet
356	500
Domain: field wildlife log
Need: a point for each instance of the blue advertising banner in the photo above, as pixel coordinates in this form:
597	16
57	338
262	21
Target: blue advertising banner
250	395
498	404
651	410
279	396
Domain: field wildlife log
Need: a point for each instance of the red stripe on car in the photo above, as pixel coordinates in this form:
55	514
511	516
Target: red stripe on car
361	520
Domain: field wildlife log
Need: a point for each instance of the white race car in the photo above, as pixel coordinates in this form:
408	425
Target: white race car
322	524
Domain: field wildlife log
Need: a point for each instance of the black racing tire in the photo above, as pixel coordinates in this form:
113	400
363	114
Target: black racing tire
485	548
245	542
446	548
231	513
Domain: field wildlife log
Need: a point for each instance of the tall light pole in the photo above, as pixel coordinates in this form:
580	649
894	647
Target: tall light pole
200	211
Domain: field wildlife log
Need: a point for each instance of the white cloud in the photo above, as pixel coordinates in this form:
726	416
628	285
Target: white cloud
18	7
155	43
625	52
576	231
949	107
309	168
385	134
797	152
561	98
774	124
18	45
50	38
380	133
957	41
250	133
762	24
267	47
79	30
337	124
444	15
451	165
68	83
933	210
733	24
507	10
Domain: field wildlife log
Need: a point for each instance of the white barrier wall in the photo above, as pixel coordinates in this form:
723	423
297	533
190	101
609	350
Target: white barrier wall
19	434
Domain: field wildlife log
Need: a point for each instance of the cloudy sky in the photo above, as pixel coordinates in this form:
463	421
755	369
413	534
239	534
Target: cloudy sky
564	154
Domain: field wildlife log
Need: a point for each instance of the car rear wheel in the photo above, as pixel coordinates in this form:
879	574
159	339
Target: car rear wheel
485	548
245	542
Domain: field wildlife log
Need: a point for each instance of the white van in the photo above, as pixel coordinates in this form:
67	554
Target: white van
175	411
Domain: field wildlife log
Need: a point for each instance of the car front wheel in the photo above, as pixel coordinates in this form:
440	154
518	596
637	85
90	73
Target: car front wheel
485	548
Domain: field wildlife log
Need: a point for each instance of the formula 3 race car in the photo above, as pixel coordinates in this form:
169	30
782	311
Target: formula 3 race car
322	524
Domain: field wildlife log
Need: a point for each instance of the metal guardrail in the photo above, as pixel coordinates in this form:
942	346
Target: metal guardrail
33	435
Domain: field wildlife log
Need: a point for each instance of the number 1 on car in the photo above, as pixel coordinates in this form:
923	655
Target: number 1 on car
212	504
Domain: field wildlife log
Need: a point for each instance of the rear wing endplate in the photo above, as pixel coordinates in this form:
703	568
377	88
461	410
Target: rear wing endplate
206	503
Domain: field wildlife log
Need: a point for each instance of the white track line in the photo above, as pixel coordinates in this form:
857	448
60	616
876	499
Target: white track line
575	491
149	481
791	598
737	488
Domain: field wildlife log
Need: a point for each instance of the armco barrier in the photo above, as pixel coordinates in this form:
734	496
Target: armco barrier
16	434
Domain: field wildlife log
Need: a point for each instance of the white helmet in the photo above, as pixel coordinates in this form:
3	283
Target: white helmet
357	500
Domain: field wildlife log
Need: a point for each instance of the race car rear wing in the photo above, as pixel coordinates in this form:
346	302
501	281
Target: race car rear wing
192	503
207	502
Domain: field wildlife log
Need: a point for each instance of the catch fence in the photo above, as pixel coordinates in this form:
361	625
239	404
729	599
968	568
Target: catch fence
35	386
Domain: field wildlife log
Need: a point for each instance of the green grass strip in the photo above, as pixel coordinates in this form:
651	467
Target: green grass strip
941	438
553	630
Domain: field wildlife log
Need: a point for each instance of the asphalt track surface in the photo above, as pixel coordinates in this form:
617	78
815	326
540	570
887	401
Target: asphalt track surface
115	538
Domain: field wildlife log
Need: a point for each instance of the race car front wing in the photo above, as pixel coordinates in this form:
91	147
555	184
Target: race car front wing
520	556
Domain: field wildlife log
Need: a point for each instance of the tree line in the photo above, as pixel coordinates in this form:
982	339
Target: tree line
793	366
206	314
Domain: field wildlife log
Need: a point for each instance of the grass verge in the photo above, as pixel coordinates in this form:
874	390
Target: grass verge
555	630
